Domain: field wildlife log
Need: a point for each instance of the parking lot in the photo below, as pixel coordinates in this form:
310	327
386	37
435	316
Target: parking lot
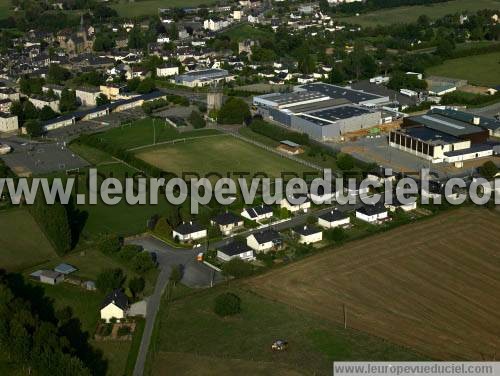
36	158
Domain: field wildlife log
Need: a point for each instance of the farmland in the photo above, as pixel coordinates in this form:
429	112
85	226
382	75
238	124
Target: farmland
430	286
219	154
19	251
411	13
192	339
478	69
150	7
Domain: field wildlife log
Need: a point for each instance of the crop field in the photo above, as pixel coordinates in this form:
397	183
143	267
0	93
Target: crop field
219	154
150	7
430	286
18	251
411	13
479	69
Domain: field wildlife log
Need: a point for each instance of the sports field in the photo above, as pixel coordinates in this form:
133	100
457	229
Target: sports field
411	13
146	132
431	286
219	154
478	69
17	250
150	7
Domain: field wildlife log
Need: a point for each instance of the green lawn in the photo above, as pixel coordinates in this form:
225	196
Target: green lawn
189	326
92	155
246	31
478	69
142	133
150	7
218	154
18	250
411	13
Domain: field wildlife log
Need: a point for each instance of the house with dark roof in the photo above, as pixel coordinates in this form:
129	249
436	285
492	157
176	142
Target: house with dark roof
227	222
257	213
189	231
334	218
115	305
265	241
372	213
235	249
308	234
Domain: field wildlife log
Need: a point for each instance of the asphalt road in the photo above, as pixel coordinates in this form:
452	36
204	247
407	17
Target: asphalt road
195	274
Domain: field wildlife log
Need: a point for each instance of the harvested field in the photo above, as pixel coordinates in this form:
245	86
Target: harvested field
432	286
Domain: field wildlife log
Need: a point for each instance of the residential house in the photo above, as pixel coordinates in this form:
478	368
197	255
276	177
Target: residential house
257	213
227	222
372	213
303	203
308	234
87	96
265	241
334	218
189	231
115	305
234	250
396	204
167	71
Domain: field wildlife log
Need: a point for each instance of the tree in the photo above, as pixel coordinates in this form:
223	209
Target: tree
142	263
233	111
136	285
237	268
47	113
109	280
54	222
345	162
176	274
336	234
196	120
227	304
102	99
488	170
110	244
146	86
34	128
57	74
68	102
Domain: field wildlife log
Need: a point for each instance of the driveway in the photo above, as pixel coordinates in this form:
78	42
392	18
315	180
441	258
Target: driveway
195	274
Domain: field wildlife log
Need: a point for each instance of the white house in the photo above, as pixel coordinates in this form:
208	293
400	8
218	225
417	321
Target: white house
115	305
285	203
167	71
227	222
372	213
189	231
234	250
215	24
396	204
308	234
265	241
257	213
334	218
8	122
162	38
356	189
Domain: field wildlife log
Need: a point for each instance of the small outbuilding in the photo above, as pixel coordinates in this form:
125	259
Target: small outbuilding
51	277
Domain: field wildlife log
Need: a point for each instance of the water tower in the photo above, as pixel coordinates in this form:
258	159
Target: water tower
214	98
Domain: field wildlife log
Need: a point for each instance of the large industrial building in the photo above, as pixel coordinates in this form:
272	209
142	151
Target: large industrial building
323	111
447	136
203	77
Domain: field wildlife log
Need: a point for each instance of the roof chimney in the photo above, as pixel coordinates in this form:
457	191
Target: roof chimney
476	120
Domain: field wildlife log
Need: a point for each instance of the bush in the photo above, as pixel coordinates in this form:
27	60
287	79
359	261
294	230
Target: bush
142	263
136	285
237	268
123	331
227	304
176	274
488	170
337	235
109	280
